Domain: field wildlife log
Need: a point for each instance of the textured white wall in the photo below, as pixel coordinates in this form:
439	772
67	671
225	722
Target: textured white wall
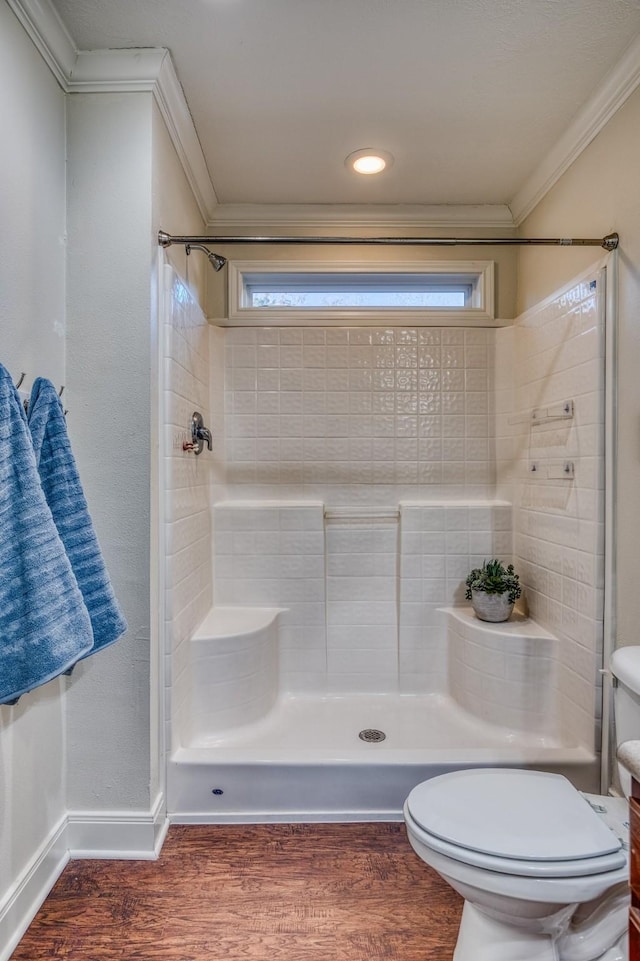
32	276
32	212
109	338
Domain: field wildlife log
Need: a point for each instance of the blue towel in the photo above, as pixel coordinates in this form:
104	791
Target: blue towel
44	623
65	497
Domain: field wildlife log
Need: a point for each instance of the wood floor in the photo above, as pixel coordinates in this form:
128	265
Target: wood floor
268	892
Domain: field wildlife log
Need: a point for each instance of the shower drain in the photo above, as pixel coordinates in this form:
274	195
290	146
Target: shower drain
371	735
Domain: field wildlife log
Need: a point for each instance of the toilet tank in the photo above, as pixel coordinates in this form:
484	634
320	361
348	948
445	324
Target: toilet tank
625	667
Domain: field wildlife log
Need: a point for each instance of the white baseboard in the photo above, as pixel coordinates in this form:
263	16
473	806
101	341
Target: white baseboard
22	902
127	835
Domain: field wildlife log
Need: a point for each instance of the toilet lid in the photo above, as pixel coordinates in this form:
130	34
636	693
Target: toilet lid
524	815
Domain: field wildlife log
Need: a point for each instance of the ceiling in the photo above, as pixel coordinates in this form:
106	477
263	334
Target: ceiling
468	95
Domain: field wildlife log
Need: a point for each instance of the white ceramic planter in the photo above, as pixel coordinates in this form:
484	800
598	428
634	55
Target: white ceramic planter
491	607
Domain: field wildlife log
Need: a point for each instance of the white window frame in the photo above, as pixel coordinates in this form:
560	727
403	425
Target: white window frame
479	273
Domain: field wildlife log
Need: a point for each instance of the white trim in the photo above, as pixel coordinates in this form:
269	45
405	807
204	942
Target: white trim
116	71
121	71
482	314
175	112
122	835
43	25
98	71
589	121
288	817
159	507
32	886
608	747
128	835
381	217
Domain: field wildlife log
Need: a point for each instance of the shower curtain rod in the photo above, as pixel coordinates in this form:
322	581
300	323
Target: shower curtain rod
610	242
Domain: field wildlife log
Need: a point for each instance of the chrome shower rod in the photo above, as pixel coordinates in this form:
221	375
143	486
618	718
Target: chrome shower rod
610	242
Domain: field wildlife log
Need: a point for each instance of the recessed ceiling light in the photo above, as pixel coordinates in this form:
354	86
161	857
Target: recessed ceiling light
369	161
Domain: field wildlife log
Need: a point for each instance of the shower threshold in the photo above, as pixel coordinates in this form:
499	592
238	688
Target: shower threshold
306	761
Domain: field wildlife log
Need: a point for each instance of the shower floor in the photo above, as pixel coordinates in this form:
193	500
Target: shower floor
305	761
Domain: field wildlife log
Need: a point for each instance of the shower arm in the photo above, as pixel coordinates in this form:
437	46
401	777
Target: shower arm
608	243
217	261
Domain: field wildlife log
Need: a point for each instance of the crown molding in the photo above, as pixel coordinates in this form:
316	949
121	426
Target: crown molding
618	85
136	70
316	217
116	71
173	106
43	25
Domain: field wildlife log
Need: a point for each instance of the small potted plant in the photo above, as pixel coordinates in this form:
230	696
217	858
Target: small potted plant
493	589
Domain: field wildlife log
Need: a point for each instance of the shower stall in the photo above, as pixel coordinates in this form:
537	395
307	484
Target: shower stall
320	657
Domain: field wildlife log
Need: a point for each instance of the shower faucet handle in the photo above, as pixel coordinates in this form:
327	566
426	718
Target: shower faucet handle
205	434
200	434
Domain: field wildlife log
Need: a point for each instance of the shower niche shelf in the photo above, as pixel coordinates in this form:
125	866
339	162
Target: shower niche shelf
538	416
554	470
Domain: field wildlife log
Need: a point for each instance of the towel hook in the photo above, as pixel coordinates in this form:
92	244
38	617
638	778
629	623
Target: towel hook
22	377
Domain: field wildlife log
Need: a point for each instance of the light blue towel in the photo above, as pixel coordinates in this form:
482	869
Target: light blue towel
65	497
44	623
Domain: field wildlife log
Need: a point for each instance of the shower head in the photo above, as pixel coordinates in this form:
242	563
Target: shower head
217	261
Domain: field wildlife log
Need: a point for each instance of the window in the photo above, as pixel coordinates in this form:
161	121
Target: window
354	290
330	294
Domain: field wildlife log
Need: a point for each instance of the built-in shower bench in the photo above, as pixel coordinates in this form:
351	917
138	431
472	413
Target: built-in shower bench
234	667
503	673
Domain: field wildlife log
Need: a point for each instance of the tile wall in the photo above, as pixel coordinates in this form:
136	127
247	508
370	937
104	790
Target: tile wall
272	555
361	588
418	424
187	484
440	543
553	354
361	415
362	604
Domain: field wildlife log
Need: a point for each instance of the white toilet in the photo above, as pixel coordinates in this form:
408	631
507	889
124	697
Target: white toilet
543	869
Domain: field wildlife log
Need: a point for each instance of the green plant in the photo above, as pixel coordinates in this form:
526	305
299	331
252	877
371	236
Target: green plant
494	578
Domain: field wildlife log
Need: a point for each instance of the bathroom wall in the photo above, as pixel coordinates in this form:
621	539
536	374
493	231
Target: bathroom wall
173	206
361	584
440	542
600	192
349	221
361	423
32	320
554	354
365	425
361	415
360	587
125	181
187	481
80	759
109	339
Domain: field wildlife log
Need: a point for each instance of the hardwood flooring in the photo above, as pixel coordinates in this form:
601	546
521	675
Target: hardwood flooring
265	892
